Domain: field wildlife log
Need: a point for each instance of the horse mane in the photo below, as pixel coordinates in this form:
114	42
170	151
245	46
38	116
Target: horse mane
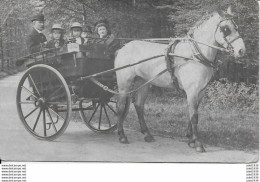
200	22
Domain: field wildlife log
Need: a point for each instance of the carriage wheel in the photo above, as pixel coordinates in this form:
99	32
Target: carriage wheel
44	102
100	115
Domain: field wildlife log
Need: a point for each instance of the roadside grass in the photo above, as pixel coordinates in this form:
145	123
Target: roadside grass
230	128
228	116
168	117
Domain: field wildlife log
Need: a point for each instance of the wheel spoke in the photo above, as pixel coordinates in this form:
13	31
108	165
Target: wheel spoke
51	120
56	114
111	109
31	112
93	113
32	94
54	93
100	116
35	124
49	81
109	123
24	102
34	85
44	123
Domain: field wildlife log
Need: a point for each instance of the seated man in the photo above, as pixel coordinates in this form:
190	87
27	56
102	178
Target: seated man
57	34
106	37
36	39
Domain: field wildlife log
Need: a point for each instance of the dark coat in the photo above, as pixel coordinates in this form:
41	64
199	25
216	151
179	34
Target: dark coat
51	44
112	44
34	41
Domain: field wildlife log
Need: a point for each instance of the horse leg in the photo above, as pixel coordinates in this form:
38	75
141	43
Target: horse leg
123	104
124	82
193	104
141	96
189	128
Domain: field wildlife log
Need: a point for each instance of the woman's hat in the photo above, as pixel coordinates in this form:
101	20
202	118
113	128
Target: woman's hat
102	23
57	26
76	25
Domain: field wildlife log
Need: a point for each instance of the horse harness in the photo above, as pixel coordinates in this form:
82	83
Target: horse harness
197	54
170	62
169	58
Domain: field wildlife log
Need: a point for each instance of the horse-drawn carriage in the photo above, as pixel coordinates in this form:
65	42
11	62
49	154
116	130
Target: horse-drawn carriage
78	78
52	88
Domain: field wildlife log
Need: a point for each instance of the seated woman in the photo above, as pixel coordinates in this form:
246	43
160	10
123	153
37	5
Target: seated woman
104	33
76	31
57	37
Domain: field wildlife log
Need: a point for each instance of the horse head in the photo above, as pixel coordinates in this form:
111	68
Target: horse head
227	34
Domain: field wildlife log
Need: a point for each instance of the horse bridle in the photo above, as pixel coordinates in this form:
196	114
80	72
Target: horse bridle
229	47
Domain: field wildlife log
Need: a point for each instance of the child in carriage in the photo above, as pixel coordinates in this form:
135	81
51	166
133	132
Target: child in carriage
57	37
76	31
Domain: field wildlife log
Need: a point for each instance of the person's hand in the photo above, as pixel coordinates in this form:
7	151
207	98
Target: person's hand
44	44
71	40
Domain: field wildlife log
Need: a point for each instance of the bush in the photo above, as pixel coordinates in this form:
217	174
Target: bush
227	95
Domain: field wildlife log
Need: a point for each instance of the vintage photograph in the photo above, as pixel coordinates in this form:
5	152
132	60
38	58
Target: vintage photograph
129	81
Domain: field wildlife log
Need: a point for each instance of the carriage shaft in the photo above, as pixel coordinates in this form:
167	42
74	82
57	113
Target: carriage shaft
130	65
119	68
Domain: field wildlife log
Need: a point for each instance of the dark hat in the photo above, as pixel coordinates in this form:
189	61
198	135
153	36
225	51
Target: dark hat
38	17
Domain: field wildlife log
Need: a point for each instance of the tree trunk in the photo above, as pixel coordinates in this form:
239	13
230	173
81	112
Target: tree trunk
2	51
84	15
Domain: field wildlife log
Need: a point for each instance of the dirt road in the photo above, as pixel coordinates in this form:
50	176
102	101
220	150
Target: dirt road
78	143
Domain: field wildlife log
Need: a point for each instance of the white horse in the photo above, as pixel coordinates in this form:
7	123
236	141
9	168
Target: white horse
192	75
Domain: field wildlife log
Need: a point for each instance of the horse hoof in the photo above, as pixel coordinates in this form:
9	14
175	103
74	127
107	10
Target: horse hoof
149	138
200	149
191	144
123	140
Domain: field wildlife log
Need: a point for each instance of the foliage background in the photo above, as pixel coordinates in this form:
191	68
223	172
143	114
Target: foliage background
139	19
